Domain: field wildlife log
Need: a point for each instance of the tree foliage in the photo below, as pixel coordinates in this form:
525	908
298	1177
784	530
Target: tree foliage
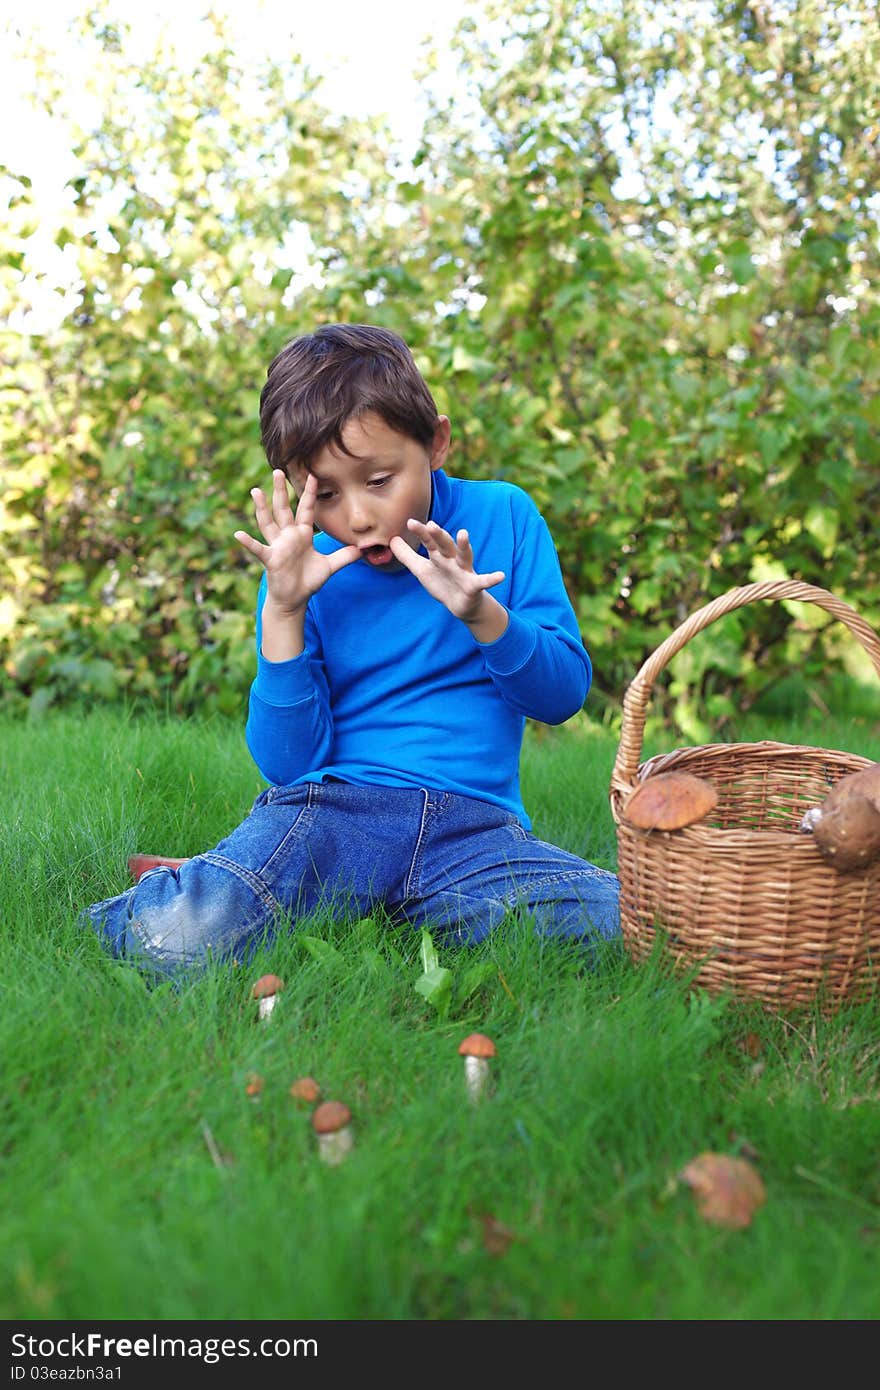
636	258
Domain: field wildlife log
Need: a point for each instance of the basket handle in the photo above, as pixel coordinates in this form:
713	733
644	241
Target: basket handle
635	701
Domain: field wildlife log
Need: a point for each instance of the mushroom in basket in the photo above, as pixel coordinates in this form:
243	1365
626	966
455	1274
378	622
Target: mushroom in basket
669	801
846	826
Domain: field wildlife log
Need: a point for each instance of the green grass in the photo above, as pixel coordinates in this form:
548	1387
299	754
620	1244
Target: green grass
141	1182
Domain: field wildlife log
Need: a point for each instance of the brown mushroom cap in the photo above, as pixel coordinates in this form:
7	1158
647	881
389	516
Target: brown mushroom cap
254	1083
864	783
305	1088
267	984
331	1116
477	1045
847	833
669	801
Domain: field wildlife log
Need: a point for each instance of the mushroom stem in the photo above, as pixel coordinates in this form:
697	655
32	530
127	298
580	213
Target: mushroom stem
331	1122
477	1049
265	991
476	1077
333	1147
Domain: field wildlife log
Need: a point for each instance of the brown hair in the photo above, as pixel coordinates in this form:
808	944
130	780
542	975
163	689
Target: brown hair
320	381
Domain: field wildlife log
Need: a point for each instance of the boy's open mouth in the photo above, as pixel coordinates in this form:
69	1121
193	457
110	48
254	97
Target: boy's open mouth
377	554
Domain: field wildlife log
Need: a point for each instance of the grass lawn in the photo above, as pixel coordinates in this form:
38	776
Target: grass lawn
142	1181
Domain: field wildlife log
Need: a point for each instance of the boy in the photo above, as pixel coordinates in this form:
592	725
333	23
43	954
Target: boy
399	651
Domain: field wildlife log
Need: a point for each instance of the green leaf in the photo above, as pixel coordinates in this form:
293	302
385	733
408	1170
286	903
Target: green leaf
374	960
320	950
823	524
464	361
771	442
436	987
740	263
367	929
428	953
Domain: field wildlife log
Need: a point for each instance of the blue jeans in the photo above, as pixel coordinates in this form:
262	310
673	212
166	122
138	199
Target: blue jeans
450	863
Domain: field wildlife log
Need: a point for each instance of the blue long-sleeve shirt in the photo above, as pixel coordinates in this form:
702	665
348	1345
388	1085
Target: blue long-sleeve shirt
393	691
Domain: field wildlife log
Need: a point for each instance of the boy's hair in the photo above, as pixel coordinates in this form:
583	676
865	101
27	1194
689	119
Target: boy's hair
320	381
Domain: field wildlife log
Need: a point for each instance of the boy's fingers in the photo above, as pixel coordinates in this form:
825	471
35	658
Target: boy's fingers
305	507
406	555
418	528
338	559
488	581
265	520
280	498
248	542
432	536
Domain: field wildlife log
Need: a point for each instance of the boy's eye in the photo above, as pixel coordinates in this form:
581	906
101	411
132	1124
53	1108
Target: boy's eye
323	496
380	482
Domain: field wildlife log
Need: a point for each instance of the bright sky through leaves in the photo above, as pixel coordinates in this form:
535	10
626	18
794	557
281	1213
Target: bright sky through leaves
367	57
366	53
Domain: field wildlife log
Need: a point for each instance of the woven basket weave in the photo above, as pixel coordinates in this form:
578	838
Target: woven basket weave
743	899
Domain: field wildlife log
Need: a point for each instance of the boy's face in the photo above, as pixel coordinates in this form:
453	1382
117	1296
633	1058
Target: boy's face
367	495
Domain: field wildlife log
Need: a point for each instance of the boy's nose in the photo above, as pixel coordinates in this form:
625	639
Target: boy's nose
359	519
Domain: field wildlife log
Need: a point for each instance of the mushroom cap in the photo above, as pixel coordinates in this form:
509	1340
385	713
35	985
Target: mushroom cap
865	782
306	1088
267	984
847	834
476	1045
669	801
330	1116
254	1083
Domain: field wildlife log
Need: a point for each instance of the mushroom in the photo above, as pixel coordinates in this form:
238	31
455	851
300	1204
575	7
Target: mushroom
331	1122
476	1049
266	990
306	1089
847	833
846	826
669	801
254	1085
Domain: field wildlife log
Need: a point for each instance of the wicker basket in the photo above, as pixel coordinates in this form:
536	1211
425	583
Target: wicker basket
743	899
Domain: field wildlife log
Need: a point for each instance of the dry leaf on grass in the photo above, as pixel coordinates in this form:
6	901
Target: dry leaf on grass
728	1191
496	1236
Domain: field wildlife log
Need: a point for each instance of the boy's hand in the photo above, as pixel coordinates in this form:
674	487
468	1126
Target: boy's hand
294	568
449	576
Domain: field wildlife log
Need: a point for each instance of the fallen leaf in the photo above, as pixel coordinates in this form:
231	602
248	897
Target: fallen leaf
728	1191
496	1236
751	1044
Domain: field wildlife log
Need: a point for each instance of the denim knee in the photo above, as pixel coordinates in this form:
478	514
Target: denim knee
174	918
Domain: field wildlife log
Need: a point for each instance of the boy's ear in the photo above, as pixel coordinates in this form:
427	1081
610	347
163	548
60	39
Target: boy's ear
440	446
